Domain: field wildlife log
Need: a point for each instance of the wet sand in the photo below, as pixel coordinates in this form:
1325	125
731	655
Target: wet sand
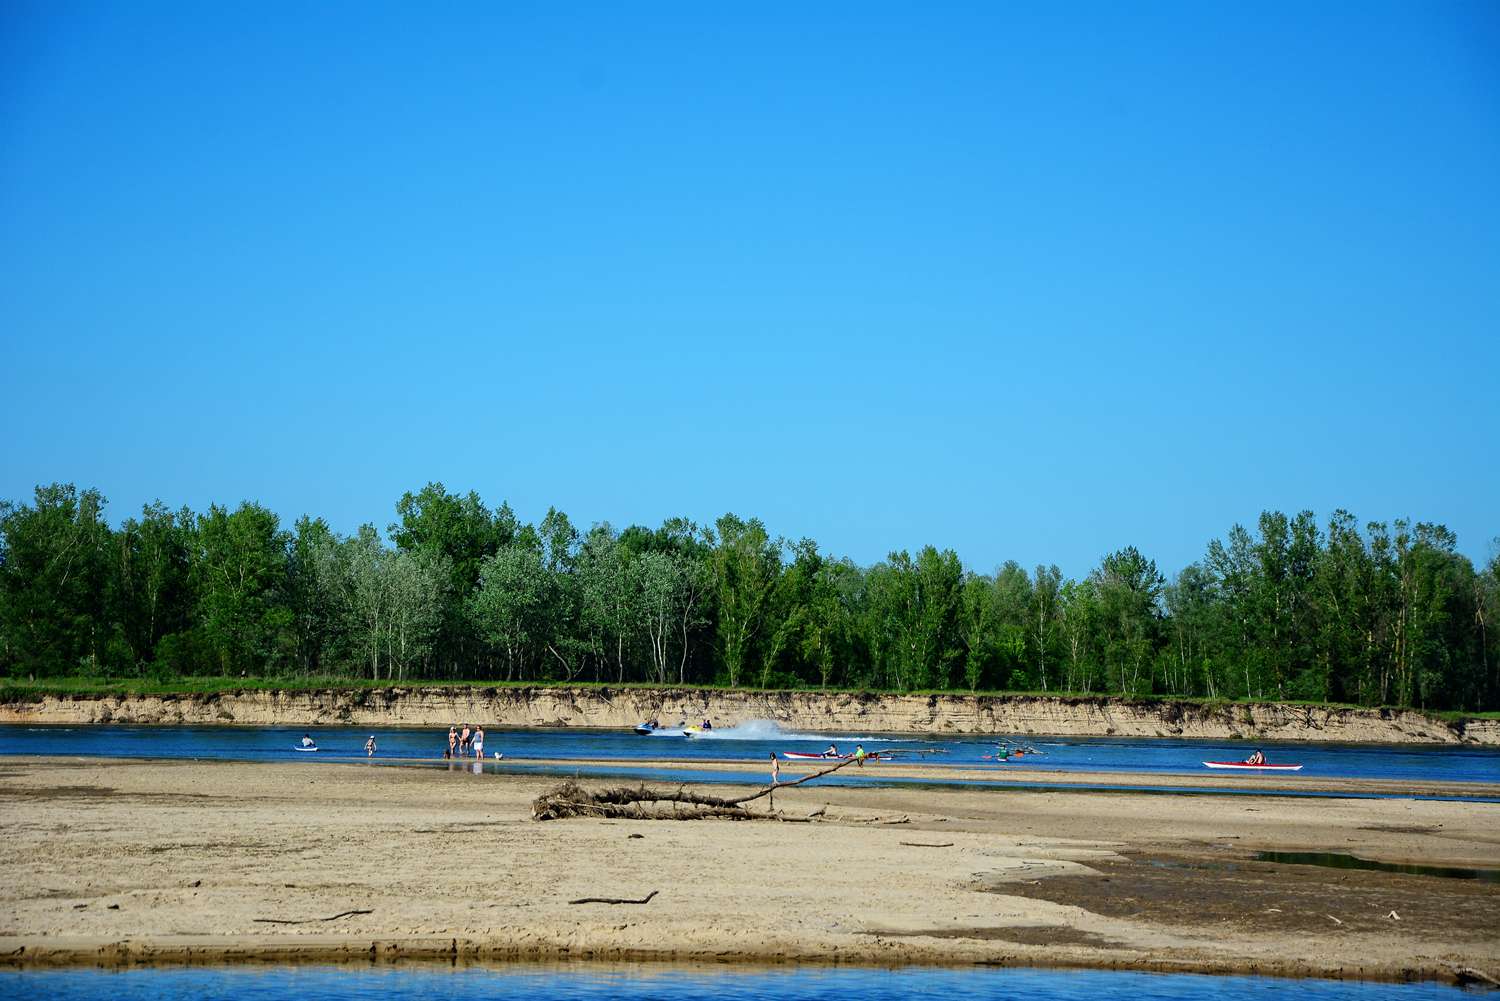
129	861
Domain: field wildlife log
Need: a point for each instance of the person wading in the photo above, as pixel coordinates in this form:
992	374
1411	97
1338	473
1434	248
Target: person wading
775	779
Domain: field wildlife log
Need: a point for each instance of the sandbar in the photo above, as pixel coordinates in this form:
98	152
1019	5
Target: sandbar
124	861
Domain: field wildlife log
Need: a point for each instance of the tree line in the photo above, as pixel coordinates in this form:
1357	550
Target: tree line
1379	614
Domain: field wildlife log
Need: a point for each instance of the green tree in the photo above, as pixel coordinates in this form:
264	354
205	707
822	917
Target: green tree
53	571
746	565
152	596
1129	588
463	532
240	573
1077	615
511	605
607	590
1046	582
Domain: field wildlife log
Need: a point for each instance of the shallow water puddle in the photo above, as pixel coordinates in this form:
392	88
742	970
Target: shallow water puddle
1338	860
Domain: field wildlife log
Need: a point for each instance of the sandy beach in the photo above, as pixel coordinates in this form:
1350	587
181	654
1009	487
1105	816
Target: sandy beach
120	861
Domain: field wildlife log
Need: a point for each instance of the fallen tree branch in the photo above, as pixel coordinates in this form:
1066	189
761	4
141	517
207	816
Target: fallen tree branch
927	844
787	785
306	921
614	900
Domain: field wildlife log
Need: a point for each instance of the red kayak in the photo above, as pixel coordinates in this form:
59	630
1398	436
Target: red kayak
1252	768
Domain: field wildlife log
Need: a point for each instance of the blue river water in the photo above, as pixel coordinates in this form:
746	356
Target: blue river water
421	982
752	743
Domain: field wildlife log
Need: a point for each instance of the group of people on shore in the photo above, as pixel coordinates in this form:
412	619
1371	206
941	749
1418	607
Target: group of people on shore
464	741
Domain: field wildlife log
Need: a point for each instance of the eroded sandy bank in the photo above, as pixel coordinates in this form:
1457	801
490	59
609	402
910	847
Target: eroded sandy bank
124	861
623	707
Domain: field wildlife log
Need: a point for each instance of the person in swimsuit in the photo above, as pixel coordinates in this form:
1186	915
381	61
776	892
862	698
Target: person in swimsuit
478	743
464	737
1257	758
832	752
370	747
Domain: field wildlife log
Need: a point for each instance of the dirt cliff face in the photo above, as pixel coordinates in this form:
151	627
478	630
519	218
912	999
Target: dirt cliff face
623	707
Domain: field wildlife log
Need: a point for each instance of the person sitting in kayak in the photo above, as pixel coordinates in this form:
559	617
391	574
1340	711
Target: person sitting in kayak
708	725
1256	759
307	740
832	752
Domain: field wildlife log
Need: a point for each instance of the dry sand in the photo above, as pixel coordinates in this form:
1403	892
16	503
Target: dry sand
129	861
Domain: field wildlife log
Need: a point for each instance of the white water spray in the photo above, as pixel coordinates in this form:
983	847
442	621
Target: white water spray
770	730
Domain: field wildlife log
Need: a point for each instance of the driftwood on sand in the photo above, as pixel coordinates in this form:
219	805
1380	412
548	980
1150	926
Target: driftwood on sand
644	803
615	900
306	921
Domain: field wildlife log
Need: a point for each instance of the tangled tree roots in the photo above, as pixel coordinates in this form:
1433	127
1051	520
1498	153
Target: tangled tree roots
643	803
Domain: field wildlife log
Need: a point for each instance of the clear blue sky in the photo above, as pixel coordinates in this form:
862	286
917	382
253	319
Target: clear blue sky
1030	281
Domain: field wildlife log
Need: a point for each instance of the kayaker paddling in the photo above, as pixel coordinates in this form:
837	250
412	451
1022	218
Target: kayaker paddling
1256	758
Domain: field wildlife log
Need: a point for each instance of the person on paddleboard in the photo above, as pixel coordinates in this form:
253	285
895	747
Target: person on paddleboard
370	747
307	740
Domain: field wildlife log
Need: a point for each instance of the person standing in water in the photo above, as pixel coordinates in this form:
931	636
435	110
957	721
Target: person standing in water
464	737
370	747
479	743
452	743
